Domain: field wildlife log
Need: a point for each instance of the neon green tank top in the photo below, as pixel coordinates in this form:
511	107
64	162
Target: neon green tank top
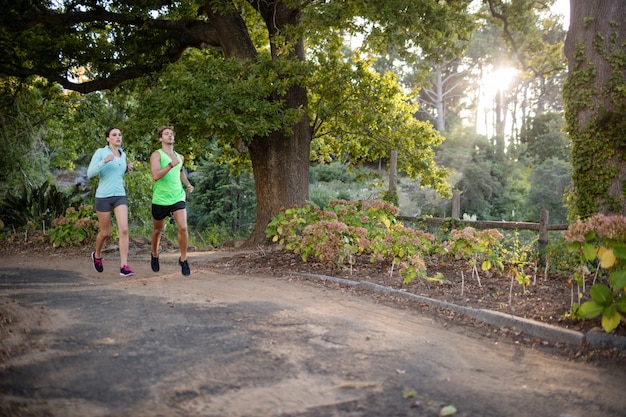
169	189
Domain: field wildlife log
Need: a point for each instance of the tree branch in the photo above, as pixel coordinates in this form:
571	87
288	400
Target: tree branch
184	34
509	35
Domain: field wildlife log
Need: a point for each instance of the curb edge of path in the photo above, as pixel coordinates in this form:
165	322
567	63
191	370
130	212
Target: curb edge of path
548	332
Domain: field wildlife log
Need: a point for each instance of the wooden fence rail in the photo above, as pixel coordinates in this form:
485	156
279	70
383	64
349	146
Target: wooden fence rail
542	227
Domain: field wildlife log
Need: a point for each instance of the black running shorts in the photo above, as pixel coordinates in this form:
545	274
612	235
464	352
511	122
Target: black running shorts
160	212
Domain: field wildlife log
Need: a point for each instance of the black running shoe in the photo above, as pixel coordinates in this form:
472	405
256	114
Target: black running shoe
97	262
154	263
184	267
125	271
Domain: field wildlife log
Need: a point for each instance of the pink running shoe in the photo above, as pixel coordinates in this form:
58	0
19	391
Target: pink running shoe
97	262
125	271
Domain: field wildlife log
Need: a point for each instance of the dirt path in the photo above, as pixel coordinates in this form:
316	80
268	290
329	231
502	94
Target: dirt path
86	344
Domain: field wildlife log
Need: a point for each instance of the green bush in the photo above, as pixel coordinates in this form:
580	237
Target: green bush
320	197
75	227
221	201
347	229
601	239
37	205
139	196
335	171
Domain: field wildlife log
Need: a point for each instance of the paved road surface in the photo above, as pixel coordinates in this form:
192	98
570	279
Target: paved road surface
88	344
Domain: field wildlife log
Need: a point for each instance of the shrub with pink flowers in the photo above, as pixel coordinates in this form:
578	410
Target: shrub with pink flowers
347	229
601	240
74	227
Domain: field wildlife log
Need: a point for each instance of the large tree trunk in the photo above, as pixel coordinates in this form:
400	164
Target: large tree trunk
595	105
281	174
281	161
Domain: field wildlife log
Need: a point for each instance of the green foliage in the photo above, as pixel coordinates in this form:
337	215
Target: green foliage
550	180
337	181
536	40
595	99
348	229
446	26
320	197
558	258
518	258
75	227
495	189
603	239
391	197
478	247
603	302
211	236
512	202
138	184
37	205
74	137
544	138
26	107
362	116
209	99
482	175
221	201
334	171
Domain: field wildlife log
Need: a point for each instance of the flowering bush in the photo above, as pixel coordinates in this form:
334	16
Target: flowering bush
476	246
601	239
347	229
74	227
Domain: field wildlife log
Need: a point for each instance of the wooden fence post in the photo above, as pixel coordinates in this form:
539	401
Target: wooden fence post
393	163
543	236
456	204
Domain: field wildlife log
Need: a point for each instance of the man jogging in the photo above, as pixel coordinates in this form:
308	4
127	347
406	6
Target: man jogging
168	196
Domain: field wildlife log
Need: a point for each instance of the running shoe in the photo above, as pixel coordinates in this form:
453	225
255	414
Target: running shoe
154	263
184	266
97	262
125	271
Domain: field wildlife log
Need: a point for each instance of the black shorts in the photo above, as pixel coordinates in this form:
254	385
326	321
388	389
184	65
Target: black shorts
160	212
106	204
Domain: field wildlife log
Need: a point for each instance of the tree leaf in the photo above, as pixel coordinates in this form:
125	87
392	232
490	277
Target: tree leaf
620	304
486	265
573	247
606	257
619	249
448	410
618	279
409	393
602	294
589	251
611	322
589	310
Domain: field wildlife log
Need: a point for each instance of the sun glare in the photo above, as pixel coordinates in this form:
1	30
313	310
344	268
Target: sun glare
494	80
498	79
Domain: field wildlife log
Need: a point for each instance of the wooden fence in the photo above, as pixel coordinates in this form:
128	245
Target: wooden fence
542	227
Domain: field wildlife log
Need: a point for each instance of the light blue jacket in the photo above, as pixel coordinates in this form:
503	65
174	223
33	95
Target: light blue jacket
111	173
